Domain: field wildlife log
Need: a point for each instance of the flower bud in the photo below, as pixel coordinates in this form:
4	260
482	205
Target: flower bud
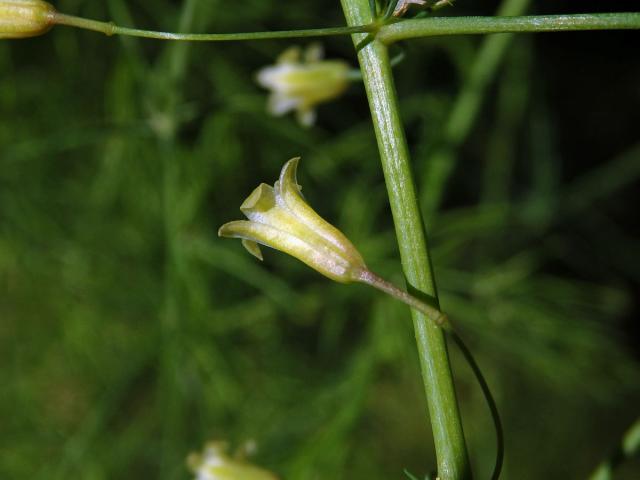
25	18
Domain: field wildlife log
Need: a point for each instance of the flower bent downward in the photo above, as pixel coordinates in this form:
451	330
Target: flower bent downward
278	217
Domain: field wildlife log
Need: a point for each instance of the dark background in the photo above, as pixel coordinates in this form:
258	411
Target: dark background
130	334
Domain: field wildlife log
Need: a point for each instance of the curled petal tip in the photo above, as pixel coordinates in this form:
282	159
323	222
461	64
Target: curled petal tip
223	231
260	200
289	175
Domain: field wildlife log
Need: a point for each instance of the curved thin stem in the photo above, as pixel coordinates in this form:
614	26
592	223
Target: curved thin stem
442	320
429	27
493	407
110	28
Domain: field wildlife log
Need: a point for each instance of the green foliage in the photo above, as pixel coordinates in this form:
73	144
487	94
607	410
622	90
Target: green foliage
130	334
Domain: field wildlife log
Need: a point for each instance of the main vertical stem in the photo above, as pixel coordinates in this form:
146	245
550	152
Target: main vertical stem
446	424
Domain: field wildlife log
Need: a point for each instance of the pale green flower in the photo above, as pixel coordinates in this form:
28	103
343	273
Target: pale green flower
280	218
301	82
25	18
214	463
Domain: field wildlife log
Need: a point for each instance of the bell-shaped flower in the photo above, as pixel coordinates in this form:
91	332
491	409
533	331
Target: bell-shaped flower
302	81
25	18
280	218
214	463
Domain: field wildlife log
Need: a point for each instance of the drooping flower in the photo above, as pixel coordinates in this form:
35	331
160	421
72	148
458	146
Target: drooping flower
302	81
214	463
25	18
280	218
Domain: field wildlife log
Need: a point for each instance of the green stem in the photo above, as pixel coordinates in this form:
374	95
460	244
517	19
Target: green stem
110	28
449	440
429	27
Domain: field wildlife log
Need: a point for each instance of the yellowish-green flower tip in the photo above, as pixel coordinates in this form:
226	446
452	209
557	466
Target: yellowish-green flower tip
280	218
299	81
25	18
214	463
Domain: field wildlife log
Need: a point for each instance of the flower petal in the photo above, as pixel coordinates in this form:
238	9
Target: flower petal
306	116
290	55
261	200
287	195
253	248
314	53
279	103
327	262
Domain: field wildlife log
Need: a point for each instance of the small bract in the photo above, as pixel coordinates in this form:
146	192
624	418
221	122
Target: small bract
25	18
299	82
280	218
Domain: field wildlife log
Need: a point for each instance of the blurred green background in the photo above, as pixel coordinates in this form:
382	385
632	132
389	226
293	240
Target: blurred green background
130	334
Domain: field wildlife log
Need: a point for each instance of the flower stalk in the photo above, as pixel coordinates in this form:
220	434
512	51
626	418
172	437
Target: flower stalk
110	28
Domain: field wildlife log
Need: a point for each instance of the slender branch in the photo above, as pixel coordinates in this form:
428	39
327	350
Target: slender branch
110	28
451	451
389	288
429	27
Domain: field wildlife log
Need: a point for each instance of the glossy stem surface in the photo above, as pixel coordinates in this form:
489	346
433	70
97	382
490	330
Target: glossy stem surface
446	424
438	26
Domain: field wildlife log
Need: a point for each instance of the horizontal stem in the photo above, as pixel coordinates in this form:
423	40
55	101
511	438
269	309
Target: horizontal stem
110	28
429	27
